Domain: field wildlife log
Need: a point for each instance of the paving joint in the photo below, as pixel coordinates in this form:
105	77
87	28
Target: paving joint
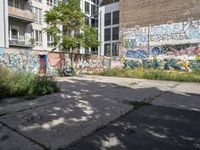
24	136
29	108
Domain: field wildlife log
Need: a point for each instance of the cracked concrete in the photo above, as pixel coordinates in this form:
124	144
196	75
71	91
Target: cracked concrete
85	104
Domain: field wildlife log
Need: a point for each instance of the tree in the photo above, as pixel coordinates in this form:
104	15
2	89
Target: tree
66	25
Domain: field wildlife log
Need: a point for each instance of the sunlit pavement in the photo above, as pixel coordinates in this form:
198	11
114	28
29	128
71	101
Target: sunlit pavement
72	118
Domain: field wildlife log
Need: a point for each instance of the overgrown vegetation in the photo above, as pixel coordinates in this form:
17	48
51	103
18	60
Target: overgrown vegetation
153	74
19	84
139	104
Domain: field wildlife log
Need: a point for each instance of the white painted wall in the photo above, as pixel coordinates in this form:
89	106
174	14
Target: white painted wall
4	23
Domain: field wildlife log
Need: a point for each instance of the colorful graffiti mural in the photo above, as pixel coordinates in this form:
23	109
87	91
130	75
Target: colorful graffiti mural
33	61
26	61
89	63
170	46
183	32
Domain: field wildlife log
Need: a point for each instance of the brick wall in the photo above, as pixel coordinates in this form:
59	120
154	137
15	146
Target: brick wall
154	12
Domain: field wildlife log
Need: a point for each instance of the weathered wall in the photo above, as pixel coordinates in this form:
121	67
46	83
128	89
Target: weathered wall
89	63
166	46
161	34
30	61
27	60
156	12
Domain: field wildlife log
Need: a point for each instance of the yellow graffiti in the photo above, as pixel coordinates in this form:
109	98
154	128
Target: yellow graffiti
197	57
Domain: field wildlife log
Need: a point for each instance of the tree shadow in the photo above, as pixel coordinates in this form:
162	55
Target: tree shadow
148	128
83	106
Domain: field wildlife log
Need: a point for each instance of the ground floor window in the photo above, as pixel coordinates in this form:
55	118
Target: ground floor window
107	49
37	35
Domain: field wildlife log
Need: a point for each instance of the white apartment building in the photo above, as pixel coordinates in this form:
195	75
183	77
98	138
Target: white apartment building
23	23
109	29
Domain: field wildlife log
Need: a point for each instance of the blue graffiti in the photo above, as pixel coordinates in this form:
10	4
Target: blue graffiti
156	51
138	54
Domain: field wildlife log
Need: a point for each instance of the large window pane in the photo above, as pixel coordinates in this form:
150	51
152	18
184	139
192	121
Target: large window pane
107	34
115	33
115	49
107	49
107	19
116	17
87	8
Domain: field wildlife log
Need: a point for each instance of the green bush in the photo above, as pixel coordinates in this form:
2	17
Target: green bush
28	85
153	74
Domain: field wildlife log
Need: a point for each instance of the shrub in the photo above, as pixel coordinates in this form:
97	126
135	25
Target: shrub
28	85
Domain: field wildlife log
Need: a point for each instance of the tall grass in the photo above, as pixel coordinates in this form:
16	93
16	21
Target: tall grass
153	74
28	85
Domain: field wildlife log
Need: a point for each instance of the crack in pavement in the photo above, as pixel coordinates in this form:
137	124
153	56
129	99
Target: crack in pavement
24	136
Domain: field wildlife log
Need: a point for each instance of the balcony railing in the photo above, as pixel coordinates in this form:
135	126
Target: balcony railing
26	15
15	41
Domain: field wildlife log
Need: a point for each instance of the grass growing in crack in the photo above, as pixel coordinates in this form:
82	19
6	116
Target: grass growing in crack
137	105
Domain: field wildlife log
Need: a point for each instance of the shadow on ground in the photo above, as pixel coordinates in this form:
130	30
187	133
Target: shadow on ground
149	128
56	121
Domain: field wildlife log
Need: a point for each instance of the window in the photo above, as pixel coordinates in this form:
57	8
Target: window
87	20
115	33
16	4
107	34
116	17
107	19
94	10
49	40
115	49
94	51
38	14
107	49
37	35
87	51
52	2
87	8
94	22
95	1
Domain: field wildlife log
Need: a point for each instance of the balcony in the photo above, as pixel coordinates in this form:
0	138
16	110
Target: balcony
24	15
21	42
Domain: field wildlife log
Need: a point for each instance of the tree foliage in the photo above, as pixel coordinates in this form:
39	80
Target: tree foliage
66	25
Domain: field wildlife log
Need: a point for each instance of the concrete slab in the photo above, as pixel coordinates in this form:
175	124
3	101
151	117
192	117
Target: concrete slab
59	124
149	128
178	100
190	88
10	140
112	89
43	100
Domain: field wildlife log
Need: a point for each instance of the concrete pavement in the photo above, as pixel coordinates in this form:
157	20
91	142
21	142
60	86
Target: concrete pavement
86	104
148	128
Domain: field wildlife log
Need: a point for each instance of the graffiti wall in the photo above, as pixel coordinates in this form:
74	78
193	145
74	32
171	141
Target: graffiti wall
89	63
112	62
33	61
170	46
21	60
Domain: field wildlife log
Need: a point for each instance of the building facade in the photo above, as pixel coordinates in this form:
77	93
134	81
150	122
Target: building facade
109	29
153	37
133	34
